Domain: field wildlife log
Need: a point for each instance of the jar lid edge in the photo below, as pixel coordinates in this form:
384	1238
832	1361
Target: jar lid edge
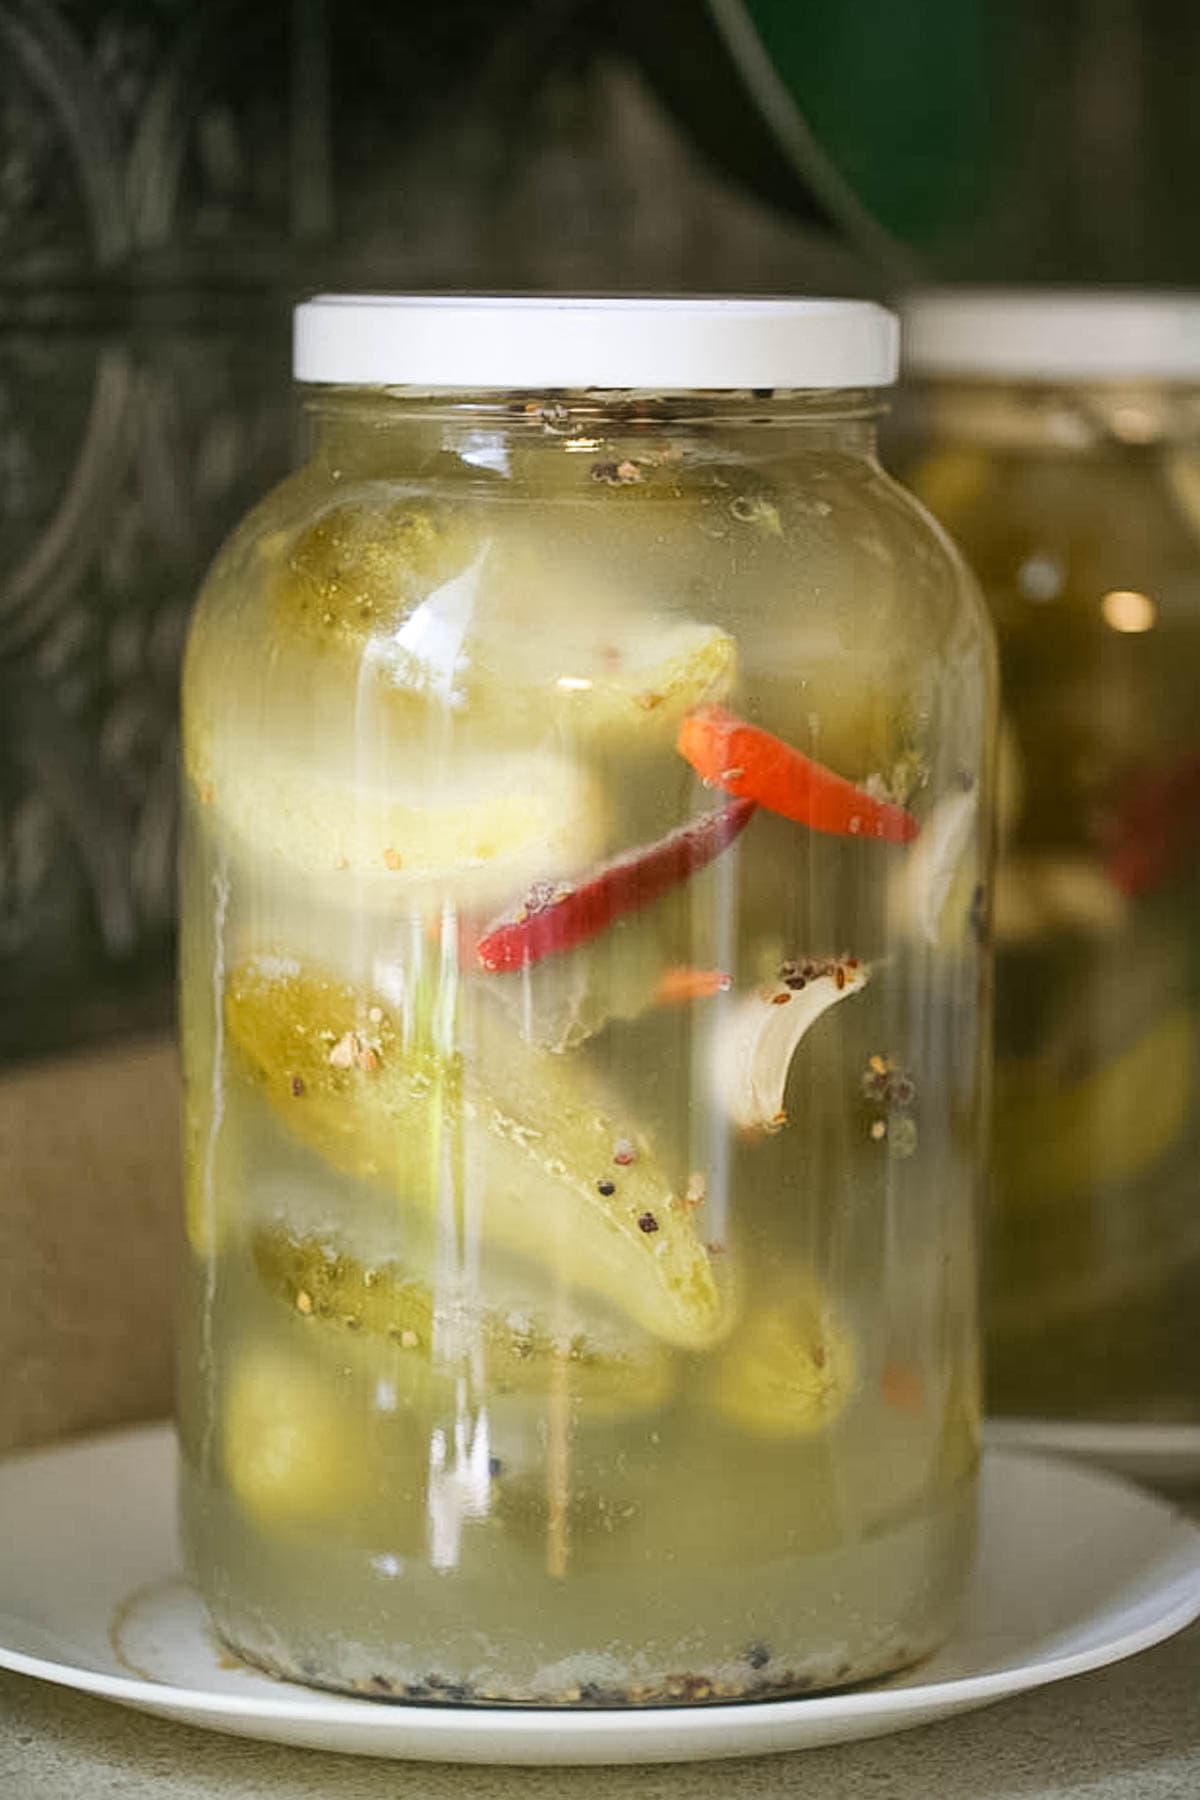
1052	334
496	341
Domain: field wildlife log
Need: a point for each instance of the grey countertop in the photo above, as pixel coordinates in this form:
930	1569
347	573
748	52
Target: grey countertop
1131	1732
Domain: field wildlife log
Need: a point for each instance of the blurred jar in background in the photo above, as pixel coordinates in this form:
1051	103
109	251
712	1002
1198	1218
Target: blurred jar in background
1059	442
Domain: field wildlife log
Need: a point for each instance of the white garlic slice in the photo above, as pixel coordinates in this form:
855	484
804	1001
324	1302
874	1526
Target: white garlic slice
757	1038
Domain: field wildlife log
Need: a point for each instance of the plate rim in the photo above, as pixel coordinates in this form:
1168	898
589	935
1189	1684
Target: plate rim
341	1712
1014	1433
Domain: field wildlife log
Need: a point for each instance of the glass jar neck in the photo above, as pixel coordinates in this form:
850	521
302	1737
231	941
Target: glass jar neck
368	430
1064	417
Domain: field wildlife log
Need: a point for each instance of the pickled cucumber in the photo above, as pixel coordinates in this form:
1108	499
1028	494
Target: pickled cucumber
607	680
788	1371
1055	1143
354	577
288	1447
540	1148
337	1290
453	616
474	831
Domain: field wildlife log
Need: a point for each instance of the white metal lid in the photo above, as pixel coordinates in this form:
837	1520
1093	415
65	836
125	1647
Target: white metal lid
548	341
1053	334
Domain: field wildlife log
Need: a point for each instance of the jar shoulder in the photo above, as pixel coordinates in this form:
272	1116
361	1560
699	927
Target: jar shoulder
796	568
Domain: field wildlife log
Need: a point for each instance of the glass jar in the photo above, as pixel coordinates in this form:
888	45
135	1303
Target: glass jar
587	769
1060	439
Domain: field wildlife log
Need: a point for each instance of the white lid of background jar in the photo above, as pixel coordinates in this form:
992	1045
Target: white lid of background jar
548	341
1053	334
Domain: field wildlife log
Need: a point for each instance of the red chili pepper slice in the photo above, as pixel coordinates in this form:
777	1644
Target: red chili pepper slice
554	918
681	983
749	762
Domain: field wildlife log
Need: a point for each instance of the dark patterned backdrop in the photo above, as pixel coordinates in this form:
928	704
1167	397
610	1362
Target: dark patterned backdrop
171	177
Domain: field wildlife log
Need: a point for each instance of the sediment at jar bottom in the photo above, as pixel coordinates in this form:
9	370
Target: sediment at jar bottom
650	1635
542	1138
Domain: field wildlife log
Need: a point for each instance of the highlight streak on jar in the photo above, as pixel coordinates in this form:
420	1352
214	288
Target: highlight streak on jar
923	885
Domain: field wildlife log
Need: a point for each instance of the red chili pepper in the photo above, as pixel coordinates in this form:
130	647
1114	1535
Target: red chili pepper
749	762
677	985
902	1388
555	918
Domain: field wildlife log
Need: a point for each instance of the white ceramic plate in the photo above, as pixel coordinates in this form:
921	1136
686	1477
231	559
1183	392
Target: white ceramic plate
1168	1456
1076	1570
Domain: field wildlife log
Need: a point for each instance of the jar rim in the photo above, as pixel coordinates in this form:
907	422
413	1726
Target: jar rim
484	342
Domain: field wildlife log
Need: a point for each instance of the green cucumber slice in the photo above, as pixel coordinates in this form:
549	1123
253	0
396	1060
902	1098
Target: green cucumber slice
518	1143
322	1282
